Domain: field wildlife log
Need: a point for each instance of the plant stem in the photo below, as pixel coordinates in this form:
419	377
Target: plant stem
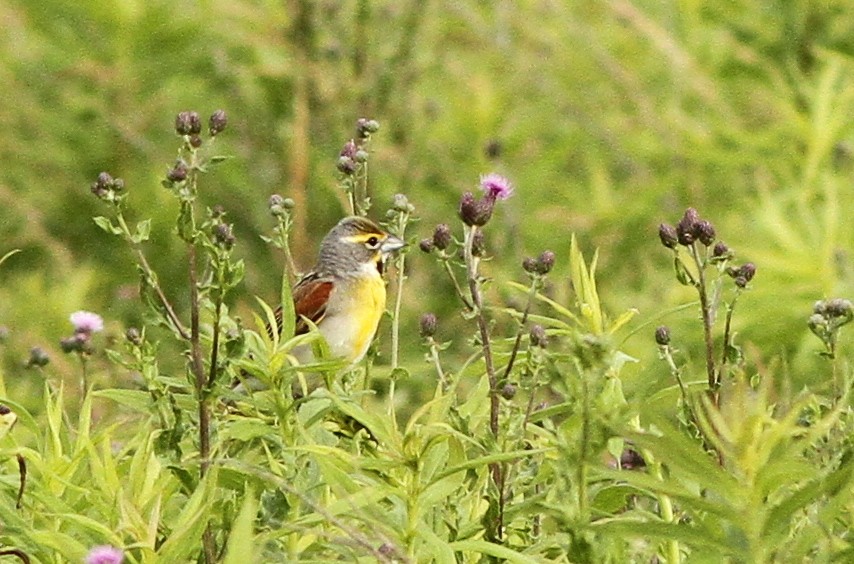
497	470
535	283
456	284
152	279
585	440
474	288
198	369
398	299
727	336
706	312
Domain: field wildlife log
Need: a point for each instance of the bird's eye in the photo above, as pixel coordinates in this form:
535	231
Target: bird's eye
372	242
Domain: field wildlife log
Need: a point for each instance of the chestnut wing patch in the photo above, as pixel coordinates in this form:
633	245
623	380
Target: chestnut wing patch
310	297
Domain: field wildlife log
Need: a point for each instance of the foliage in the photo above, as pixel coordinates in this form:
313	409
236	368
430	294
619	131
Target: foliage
540	427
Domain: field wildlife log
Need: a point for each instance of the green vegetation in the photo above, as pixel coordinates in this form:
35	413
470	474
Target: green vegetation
608	377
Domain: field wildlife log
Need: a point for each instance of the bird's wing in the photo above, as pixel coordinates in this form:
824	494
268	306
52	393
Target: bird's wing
311	294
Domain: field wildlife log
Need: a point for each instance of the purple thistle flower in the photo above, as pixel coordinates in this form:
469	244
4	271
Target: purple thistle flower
105	555
86	322
496	186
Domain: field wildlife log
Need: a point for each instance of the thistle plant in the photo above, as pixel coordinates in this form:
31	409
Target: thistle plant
211	271
708	263
353	166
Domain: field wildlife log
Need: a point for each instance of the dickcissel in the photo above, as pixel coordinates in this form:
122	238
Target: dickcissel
344	295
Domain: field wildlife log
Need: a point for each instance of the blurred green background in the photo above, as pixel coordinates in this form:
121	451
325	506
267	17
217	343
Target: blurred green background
609	117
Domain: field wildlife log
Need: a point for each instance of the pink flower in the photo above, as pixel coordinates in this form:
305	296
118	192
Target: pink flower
86	322
496	186
105	554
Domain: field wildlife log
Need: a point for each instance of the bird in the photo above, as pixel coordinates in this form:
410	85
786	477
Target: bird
344	295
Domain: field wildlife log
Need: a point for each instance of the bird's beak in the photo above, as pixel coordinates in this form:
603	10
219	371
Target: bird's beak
391	244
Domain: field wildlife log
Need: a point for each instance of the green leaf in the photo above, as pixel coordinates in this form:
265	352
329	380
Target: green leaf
135	399
440	551
107	225
696	537
143	230
491	549
286	302
241	541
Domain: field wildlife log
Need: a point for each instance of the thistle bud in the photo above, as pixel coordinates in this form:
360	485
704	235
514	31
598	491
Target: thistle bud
545	262
662	335
365	127
188	123
133	336
361	156
400	203
442	236
71	344
217	122
177	174
349	150
686	228
705	232
38	357
4	410
346	165
195	141
538	336
428	325
668	236
426	245
105	180
475	212
508	391
747	270
839	307
720	250
224	236
529	265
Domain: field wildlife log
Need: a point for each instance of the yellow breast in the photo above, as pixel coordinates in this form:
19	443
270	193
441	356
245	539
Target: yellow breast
353	315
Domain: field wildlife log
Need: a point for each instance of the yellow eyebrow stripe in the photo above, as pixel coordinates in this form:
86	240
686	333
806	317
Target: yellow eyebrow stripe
362	237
